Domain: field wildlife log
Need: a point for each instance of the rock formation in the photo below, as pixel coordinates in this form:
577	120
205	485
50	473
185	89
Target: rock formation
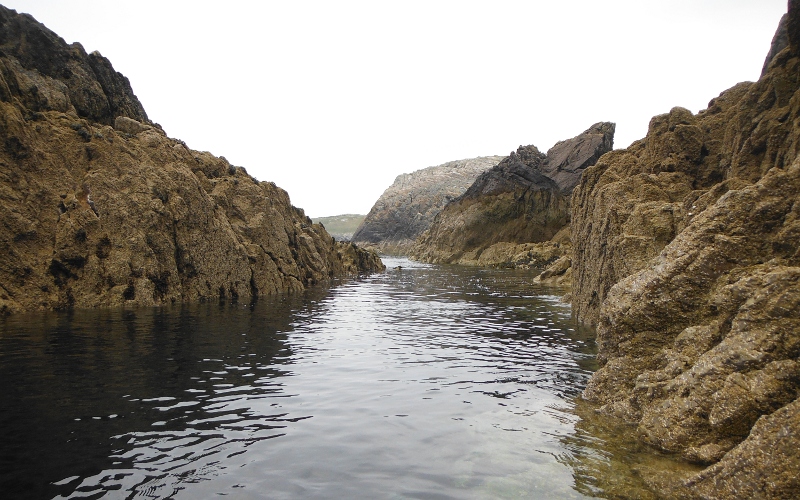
100	208
524	199
407	208
686	255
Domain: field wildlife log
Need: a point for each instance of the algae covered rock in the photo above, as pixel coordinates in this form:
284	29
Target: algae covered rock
686	255
95	215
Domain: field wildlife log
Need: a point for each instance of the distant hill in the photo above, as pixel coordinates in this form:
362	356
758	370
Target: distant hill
341	227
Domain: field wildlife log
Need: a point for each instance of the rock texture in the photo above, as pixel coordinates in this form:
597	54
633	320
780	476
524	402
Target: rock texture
407	208
524	199
98	207
686	255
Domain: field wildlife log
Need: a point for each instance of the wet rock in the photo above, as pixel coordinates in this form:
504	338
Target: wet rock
686	255
559	272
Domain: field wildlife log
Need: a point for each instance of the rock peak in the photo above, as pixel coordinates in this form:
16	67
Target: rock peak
60	76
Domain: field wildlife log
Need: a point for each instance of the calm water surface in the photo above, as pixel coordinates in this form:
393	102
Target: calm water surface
421	382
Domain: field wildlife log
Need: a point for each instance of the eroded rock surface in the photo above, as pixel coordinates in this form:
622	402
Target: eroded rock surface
407	208
686	255
98	207
524	199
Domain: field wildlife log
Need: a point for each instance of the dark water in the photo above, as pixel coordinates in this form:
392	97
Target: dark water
425	382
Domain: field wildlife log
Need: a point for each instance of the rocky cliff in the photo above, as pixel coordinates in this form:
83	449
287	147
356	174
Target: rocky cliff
98	207
407	208
524	199
687	258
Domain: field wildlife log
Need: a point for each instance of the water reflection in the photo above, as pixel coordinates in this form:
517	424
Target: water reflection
145	392
422	382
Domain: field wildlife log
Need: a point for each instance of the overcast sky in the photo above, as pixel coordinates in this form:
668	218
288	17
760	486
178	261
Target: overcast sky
332	100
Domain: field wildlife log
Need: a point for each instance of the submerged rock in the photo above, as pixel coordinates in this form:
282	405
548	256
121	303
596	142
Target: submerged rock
95	215
687	258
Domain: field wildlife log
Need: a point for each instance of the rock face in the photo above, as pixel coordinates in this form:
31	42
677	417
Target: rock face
407	208
687	258
100	208
524	199
567	160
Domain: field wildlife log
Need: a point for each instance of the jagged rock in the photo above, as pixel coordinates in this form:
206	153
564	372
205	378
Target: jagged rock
686	254
92	216
515	202
567	160
779	42
56	75
407	208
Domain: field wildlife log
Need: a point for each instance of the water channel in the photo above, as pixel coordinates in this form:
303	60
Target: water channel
426	382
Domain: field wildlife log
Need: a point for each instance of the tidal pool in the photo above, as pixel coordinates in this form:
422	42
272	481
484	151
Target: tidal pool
421	382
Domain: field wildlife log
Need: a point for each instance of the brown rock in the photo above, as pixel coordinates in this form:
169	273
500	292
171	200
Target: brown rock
687	257
524	199
93	216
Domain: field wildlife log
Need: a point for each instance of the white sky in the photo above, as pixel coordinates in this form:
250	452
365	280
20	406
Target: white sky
332	100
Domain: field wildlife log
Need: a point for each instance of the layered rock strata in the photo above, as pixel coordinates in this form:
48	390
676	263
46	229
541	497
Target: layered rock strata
686	255
98	207
407	208
524	199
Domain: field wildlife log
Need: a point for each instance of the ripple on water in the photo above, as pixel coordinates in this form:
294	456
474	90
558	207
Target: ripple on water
421	382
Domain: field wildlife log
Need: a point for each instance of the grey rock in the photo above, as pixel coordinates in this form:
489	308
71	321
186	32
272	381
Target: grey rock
407	208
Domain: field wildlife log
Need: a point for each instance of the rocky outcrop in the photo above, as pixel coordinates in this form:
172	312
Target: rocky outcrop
779	42
524	199
98	207
567	160
43	73
686	255
407	208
